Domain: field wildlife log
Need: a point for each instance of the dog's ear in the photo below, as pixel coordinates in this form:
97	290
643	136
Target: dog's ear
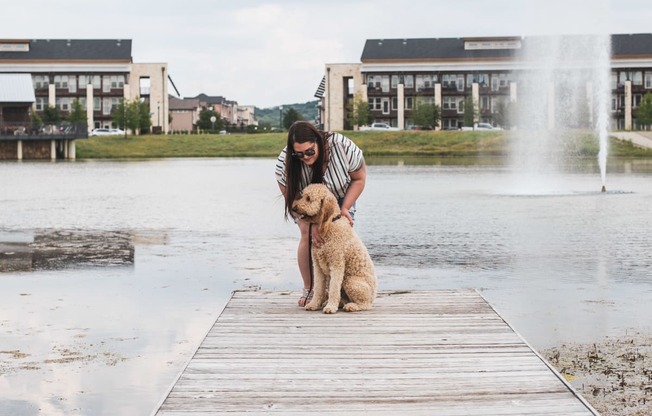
329	209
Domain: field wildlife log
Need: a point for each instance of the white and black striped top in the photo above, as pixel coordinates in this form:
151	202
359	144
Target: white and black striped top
344	157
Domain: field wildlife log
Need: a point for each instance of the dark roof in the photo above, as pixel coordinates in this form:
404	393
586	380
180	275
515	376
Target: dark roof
631	45
426	49
182	104
207	99
72	49
623	45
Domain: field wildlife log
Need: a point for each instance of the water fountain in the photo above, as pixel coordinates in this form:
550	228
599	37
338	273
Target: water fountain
562	91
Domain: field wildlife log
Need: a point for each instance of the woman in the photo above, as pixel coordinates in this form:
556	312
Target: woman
318	157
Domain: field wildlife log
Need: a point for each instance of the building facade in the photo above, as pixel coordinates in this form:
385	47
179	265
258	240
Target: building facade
98	73
491	71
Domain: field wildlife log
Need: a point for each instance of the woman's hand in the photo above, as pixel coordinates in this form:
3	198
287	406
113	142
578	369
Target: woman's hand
346	214
316	238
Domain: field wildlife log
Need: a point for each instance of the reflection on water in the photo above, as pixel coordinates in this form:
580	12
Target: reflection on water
78	339
60	249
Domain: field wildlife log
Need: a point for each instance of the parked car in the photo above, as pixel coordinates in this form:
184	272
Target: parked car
379	126
421	128
481	127
107	132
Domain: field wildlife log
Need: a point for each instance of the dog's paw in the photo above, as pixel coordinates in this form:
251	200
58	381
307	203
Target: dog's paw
312	306
330	308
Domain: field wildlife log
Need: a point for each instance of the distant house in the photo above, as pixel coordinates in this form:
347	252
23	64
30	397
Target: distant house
185	112
493	71
100	73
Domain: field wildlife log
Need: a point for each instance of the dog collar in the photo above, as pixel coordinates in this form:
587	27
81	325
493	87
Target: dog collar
337	217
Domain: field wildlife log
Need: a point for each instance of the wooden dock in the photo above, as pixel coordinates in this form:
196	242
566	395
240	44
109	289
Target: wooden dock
416	353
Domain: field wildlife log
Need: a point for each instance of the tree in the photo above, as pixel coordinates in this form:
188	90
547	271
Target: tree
290	116
470	111
144	119
426	113
359	112
644	114
51	115
77	113
504	113
205	123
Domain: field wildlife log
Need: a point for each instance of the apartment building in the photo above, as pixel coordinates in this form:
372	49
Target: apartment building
394	73
97	72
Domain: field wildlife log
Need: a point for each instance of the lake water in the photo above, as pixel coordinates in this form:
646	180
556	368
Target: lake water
112	272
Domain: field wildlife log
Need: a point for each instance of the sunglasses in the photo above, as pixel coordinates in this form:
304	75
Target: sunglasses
308	153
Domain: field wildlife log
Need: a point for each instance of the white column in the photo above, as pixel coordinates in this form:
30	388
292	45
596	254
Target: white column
551	106
438	103
52	95
19	150
53	149
512	92
400	97
71	150
89	107
475	95
628	105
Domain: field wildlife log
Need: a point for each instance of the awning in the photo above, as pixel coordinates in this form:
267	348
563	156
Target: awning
16	88
321	89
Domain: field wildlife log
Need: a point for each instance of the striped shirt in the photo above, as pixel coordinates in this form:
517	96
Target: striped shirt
344	157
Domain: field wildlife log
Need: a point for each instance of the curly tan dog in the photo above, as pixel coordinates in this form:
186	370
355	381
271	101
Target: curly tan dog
342	266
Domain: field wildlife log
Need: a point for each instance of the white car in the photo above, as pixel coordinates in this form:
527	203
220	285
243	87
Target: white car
481	127
107	132
379	126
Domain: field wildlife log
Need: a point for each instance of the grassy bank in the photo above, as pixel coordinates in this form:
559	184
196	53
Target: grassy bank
423	143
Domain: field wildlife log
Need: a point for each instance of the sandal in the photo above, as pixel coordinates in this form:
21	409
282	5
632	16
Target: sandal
305	298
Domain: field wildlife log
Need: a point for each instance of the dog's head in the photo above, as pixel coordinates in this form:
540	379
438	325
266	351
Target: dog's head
317	205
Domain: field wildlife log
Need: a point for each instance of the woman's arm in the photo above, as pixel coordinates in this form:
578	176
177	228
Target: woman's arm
358	180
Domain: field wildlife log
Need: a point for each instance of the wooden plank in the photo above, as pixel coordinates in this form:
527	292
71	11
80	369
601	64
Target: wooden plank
415	353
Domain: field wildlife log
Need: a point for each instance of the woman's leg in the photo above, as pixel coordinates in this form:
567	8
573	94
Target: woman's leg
303	260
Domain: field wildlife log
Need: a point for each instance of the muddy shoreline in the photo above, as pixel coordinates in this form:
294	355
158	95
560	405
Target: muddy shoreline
613	375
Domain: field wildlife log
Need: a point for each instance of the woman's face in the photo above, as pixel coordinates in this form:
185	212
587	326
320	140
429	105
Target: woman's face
306	152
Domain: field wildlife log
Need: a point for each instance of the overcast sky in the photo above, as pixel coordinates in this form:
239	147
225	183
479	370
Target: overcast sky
273	52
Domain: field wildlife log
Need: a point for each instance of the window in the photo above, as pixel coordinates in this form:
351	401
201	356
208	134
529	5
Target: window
637	100
41	81
445	81
40	103
72	83
385	83
409	103
83	81
450	103
424	81
614	80
61	81
385	103
494	82
460	82
614	105
409	81
483	80
469	79
648	80
503	80
97	103
106	83
484	103
106	106
97	82
637	78
62	103
394	81
117	81
144	85
394	103
374	103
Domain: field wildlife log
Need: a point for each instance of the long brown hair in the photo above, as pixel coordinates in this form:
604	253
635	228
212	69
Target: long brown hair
302	132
